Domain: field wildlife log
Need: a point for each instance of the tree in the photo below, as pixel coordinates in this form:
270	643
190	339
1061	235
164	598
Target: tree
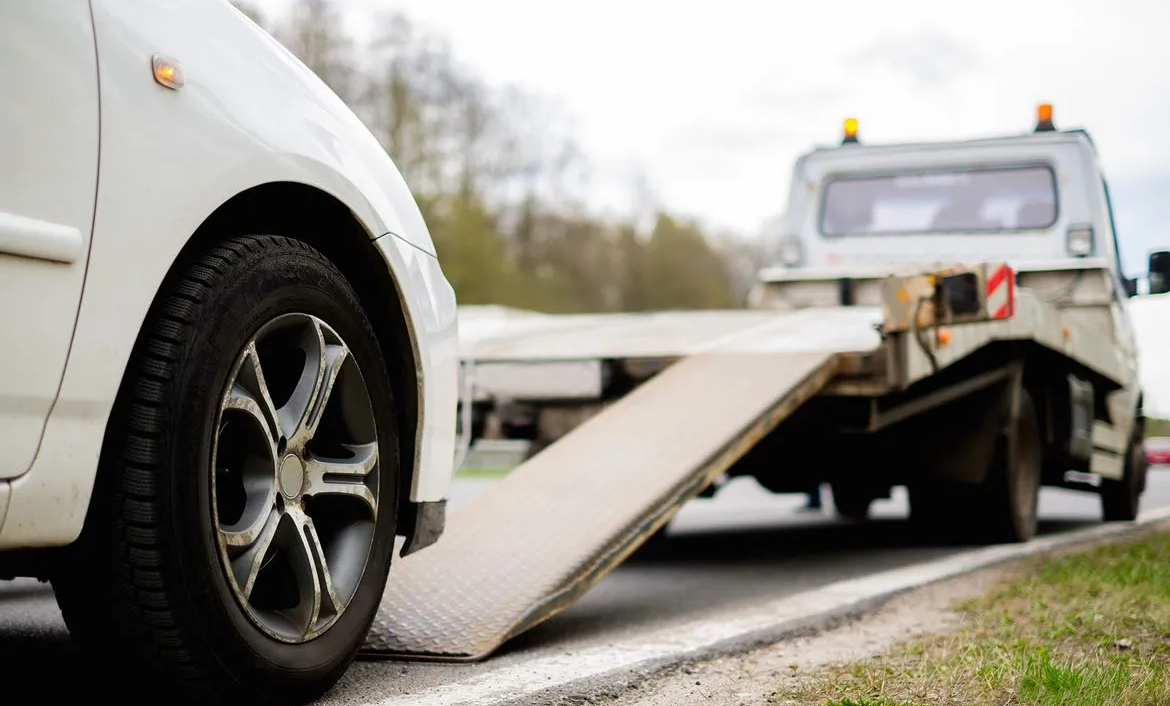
493	171
251	10
743	259
315	33
682	270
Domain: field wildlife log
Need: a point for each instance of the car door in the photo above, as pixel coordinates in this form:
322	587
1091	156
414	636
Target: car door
48	178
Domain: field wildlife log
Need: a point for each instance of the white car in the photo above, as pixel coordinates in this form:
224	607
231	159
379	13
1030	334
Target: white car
228	371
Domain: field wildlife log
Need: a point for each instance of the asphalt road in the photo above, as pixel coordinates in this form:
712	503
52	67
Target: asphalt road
741	547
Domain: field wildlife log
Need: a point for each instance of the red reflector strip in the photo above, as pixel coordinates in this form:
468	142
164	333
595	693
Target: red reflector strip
1001	292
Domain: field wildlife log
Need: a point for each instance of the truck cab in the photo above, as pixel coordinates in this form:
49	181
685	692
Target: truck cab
1035	200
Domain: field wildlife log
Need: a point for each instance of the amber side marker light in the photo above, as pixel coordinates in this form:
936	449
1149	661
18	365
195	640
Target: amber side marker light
167	72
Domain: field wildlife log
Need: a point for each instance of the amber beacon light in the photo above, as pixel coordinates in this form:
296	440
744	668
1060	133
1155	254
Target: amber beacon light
1044	118
850	131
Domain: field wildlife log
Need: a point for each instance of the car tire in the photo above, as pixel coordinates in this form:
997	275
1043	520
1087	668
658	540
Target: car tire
198	462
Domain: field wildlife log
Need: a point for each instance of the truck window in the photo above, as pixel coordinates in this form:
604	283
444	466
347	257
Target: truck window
967	201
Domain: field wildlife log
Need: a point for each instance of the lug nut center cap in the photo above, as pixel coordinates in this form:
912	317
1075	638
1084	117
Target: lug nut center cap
292	476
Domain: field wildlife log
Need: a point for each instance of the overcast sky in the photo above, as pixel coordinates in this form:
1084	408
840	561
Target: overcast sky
713	101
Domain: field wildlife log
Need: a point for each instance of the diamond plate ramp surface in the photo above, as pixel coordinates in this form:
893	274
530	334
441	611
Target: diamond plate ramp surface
531	544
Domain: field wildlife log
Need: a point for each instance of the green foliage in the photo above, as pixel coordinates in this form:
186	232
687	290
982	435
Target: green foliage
880	701
1045	679
682	270
488	169
1157	427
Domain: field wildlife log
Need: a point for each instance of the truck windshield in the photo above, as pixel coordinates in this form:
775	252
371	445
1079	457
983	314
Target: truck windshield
966	201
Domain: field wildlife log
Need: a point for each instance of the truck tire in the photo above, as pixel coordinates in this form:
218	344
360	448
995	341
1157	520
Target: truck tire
239	538
1005	510
850	502
1121	499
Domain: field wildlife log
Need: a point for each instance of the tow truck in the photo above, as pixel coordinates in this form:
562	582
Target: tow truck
949	317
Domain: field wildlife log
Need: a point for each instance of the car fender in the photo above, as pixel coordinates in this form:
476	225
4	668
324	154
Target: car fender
247	113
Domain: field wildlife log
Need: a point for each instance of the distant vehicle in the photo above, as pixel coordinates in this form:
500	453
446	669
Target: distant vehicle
1158	450
229	371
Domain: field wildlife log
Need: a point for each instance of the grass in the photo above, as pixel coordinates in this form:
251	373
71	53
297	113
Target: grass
1157	427
1084	629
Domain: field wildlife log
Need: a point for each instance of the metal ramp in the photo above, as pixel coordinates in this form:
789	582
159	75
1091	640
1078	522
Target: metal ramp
537	540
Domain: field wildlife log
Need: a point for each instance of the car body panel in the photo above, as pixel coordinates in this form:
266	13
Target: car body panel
5	493
248	114
432	305
49	153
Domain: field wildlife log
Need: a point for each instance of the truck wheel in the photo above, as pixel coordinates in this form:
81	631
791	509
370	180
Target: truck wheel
851	503
1121	499
1006	510
240	535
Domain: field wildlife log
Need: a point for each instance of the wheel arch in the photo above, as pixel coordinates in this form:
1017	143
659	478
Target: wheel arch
319	219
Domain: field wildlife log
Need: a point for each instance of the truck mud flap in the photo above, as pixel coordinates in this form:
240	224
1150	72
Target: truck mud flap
535	541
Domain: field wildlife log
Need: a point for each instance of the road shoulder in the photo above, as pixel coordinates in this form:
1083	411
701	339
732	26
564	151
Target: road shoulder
793	671
756	678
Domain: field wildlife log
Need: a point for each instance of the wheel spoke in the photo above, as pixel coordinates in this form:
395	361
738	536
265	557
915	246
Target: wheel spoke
333	361
249	393
338	476
314	580
255	473
246	566
244	537
324	359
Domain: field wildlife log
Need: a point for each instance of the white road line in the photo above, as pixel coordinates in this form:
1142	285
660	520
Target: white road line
514	682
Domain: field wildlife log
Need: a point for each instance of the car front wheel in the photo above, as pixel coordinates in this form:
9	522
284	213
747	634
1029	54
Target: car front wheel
242	527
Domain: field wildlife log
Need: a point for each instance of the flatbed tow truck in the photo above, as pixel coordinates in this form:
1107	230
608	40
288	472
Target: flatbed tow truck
948	316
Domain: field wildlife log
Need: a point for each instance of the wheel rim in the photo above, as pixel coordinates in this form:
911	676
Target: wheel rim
295	476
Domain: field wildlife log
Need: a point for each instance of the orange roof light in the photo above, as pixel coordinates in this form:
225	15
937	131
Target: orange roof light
1044	118
850	130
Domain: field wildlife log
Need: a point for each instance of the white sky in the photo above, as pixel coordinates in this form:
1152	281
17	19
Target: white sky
713	101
